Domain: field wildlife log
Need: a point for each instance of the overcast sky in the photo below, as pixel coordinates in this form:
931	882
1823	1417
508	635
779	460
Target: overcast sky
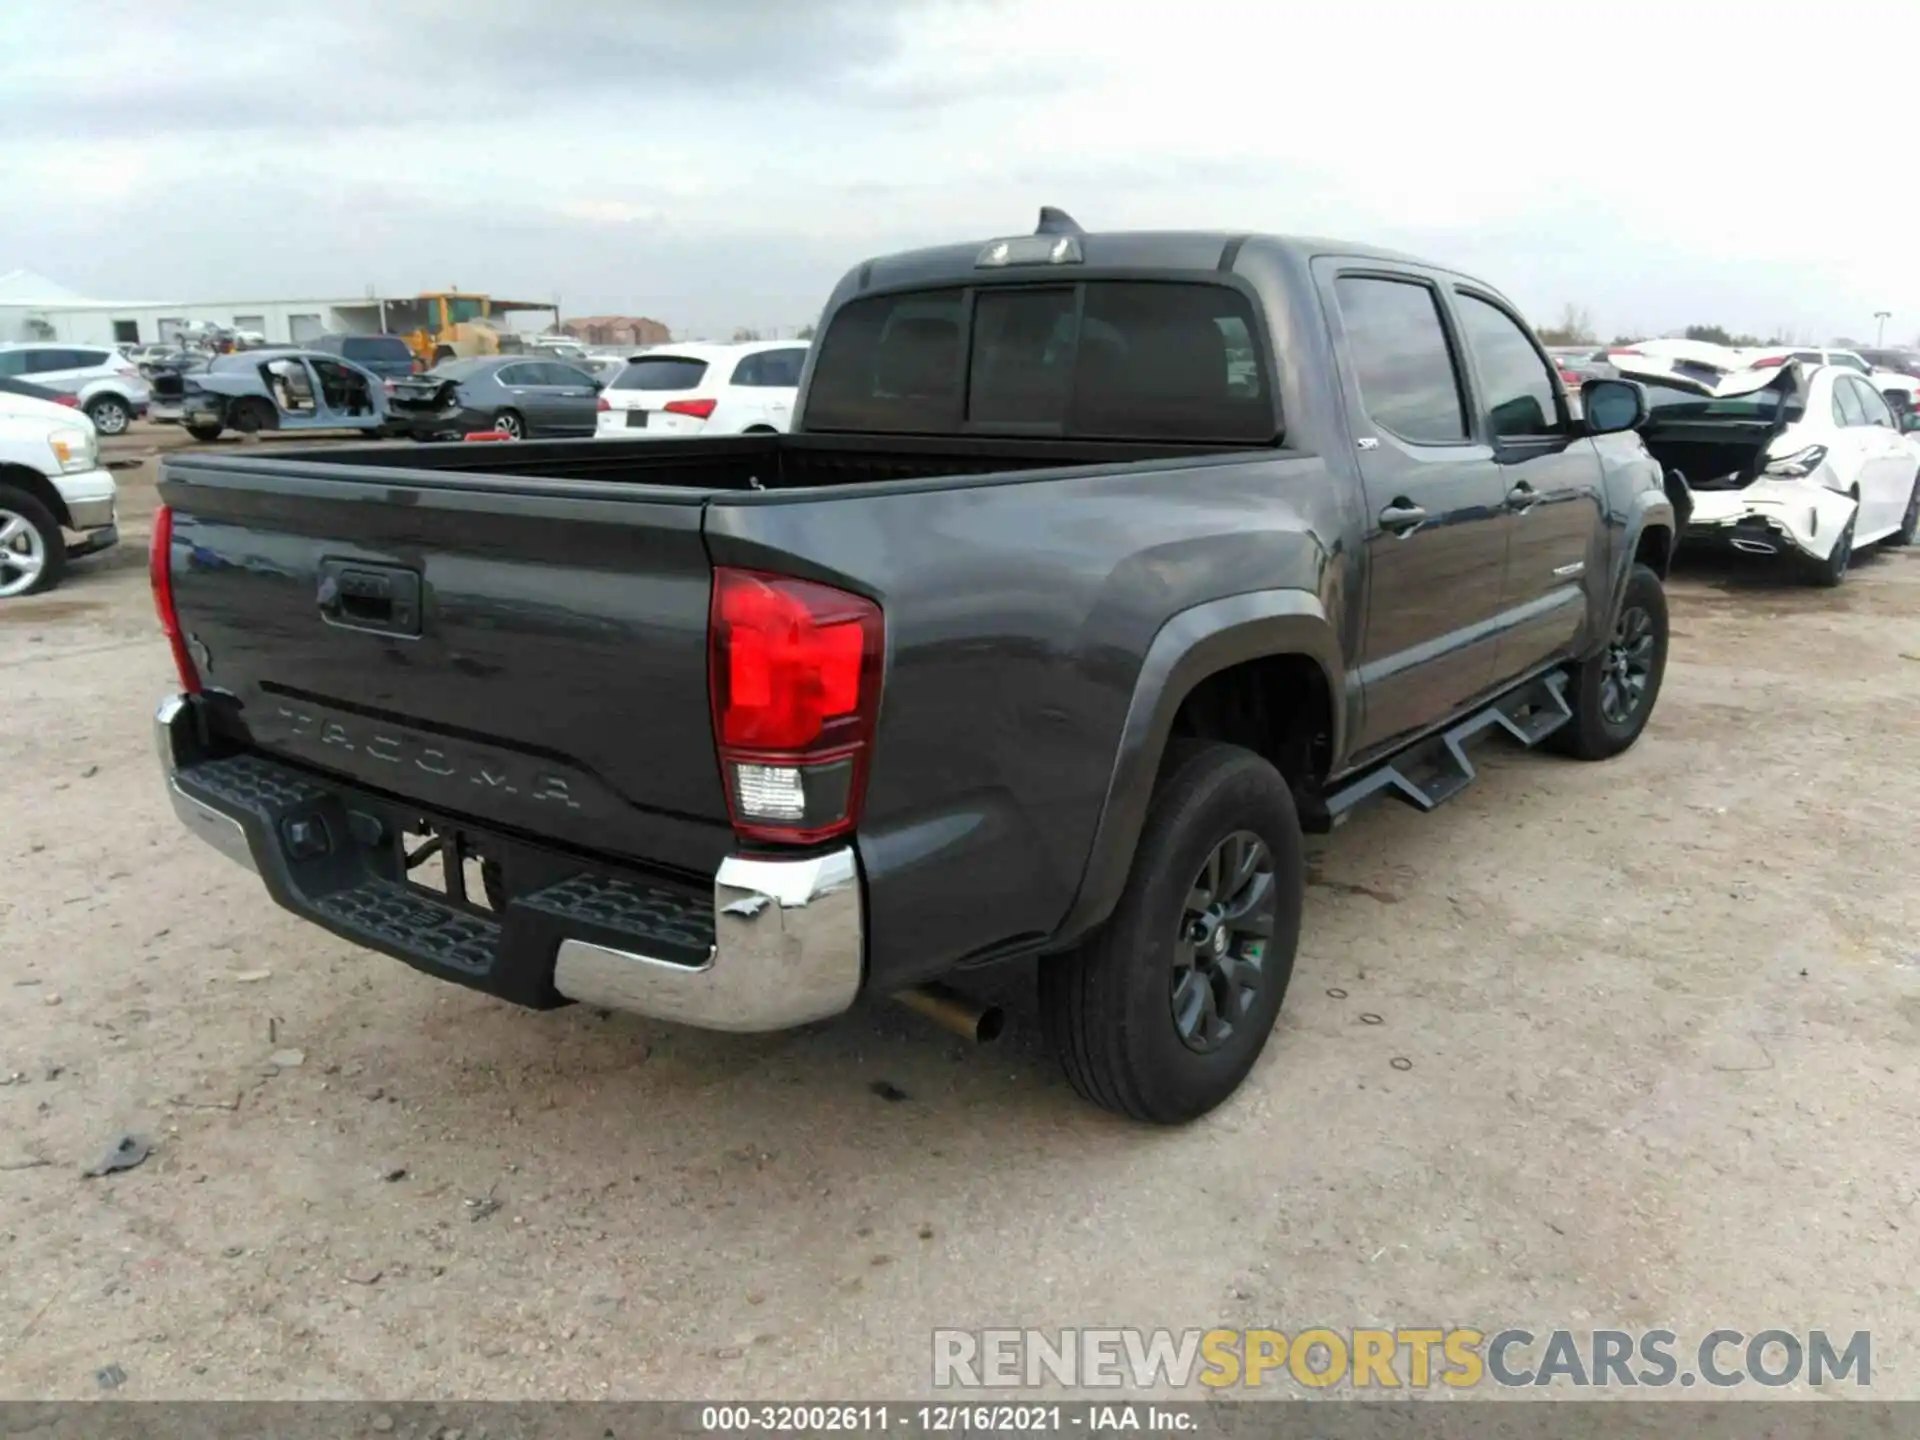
716	163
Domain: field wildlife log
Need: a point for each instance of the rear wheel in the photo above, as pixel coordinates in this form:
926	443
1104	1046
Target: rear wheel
1164	1011
1910	523
1613	693
110	414
1832	571
509	424
32	552
205	433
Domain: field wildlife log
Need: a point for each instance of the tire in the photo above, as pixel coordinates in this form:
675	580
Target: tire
110	414
1911	523
1832	571
509	423
251	416
33	554
1609	711
1109	1008
206	434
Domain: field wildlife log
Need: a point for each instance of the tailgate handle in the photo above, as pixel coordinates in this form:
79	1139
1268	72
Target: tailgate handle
384	599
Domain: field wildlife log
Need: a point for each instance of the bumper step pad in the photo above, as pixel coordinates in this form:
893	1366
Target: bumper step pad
332	853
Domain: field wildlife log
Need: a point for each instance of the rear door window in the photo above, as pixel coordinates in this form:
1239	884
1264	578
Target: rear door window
1846	404
770	369
1401	358
661	372
1872	407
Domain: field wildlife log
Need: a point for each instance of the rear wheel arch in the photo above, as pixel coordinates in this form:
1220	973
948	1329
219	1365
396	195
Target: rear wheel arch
1206	675
33	483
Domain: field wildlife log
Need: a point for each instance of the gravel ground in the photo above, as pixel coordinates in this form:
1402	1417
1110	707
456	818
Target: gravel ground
1660	1016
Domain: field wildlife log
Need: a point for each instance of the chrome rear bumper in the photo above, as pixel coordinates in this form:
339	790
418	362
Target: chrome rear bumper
788	935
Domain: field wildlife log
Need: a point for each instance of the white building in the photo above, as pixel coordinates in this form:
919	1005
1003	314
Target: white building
33	307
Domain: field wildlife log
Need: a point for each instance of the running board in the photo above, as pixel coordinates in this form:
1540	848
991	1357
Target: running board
1436	769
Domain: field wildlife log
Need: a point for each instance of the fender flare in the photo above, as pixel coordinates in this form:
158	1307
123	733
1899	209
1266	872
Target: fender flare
1192	645
1651	509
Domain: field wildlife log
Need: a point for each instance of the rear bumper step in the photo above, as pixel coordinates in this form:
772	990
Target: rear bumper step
769	945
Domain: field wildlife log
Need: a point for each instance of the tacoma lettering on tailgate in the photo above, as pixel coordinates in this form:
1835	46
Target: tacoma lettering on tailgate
365	747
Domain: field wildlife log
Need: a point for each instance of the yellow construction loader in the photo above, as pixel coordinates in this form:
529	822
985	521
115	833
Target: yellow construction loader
448	324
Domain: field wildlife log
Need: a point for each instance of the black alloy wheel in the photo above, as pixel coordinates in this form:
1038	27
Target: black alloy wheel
1224	929
1627	671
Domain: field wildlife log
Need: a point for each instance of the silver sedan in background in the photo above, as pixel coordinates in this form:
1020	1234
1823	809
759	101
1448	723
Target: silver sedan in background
521	396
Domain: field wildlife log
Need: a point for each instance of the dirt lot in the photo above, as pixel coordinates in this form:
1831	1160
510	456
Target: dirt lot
1662	1019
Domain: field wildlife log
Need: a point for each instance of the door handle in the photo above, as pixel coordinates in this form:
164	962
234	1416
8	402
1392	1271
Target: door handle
1522	498
384	599
1402	517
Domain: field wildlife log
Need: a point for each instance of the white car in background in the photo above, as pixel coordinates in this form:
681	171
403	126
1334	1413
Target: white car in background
1804	461
50	483
705	390
108	386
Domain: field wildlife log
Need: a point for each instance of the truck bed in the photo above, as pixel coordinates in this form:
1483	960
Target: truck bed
699	468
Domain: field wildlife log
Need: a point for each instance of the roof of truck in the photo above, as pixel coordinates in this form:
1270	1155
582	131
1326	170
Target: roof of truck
1122	249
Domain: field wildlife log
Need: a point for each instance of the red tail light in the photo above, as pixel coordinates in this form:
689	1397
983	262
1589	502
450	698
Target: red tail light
794	669
1569	379
160	575
699	409
1768	362
601	404
72	402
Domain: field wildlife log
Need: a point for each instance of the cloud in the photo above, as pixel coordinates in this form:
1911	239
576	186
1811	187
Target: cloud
1618	162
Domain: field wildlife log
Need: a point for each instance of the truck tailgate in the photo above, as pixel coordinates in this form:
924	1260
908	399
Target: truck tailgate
536	661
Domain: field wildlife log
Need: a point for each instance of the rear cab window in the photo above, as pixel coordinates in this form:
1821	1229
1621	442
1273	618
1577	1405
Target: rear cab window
376	347
661	372
1163	360
1402	360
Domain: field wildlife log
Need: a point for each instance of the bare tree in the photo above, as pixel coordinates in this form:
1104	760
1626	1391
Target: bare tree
1575	328
744	334
805	332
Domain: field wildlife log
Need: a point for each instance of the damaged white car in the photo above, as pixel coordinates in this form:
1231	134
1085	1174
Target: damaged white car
1805	462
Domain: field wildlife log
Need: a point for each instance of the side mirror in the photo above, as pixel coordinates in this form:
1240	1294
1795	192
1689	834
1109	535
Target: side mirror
1613	406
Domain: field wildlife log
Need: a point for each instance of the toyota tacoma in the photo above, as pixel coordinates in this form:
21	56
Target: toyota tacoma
1097	569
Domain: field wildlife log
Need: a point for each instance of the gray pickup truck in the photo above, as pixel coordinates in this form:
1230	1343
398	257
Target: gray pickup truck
1096	570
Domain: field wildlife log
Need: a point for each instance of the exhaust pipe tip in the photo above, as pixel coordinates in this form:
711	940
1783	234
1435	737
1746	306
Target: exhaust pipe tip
1755	547
954	1012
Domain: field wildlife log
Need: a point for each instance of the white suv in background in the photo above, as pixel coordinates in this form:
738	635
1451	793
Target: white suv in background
705	390
108	386
50	482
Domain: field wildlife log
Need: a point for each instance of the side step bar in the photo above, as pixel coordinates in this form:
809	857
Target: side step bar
1434	770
